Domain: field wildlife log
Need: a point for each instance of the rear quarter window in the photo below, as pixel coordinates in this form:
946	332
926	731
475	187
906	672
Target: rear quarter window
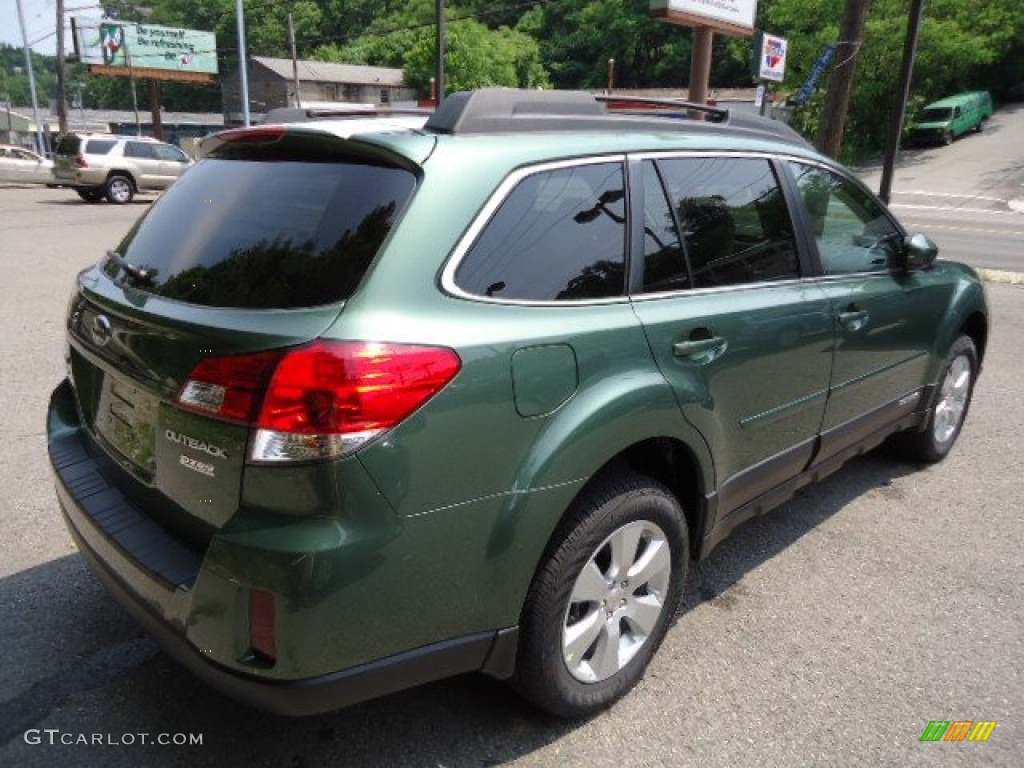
559	235
268	233
99	146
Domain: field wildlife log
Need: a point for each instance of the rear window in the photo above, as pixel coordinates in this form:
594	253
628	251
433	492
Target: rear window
267	234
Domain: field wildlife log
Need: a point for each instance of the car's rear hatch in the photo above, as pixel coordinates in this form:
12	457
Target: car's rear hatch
65	155
255	250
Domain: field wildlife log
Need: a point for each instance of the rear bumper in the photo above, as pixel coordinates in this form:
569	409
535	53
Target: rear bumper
169	586
491	652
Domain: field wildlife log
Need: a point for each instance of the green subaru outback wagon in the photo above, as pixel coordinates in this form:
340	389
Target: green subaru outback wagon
362	402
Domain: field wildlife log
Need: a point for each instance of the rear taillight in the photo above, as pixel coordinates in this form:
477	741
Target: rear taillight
81	162
320	401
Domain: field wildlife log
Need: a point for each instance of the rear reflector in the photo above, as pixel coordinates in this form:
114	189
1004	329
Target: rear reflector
229	387
320	401
262	621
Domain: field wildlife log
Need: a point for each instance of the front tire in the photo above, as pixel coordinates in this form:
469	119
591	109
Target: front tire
603	599
120	190
949	410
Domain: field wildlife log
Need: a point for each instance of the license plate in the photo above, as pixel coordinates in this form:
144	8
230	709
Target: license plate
126	418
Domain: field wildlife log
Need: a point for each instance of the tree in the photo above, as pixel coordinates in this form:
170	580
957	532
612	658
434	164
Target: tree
837	100
478	57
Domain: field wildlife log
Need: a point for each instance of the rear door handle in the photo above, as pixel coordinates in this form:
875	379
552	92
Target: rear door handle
854	319
708	349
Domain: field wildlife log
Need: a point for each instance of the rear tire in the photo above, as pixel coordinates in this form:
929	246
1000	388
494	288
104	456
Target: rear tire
120	190
603	599
949	409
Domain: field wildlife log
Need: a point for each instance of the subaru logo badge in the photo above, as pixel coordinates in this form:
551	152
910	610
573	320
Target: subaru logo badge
101	330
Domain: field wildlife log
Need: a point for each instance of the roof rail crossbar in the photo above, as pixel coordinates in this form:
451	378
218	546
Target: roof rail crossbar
719	114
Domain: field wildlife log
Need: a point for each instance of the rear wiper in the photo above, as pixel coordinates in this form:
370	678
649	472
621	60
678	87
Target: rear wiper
137	273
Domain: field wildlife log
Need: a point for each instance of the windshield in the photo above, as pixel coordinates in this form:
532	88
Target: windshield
936	115
265	234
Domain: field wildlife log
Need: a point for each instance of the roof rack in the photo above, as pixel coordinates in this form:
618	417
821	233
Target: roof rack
510	110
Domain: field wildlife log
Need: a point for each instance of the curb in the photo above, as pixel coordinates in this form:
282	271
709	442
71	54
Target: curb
998	276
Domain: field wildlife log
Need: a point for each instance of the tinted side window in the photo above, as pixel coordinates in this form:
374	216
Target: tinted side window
736	227
138	149
165	152
267	235
664	263
850	227
559	235
99	146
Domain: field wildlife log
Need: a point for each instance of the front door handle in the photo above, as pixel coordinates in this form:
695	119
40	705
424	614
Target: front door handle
703	350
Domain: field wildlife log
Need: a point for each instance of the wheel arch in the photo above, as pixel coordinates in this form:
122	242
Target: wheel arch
124	174
668	460
976	326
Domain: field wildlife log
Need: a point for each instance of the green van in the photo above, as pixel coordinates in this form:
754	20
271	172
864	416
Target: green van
942	121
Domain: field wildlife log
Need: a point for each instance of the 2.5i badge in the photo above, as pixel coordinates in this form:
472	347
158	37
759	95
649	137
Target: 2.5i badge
197	466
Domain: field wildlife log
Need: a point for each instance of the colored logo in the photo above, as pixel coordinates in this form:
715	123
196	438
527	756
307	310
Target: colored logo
111	41
773	58
958	730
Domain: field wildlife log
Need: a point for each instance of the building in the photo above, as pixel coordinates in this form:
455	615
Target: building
272	85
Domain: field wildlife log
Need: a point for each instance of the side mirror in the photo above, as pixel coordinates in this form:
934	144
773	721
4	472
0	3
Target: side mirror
919	252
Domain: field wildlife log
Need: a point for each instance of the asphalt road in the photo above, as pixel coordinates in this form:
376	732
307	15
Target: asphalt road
827	633
968	197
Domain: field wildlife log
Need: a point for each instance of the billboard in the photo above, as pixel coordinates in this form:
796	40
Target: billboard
114	44
731	17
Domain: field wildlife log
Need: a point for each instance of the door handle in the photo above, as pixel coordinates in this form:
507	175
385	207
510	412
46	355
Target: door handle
854	319
708	349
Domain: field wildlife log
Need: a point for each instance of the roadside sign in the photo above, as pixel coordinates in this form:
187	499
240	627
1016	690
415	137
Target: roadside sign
772	58
819	69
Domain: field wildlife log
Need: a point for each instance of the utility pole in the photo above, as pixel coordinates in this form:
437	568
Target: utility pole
243	64
442	44
295	62
840	84
40	143
62	96
131	76
906	74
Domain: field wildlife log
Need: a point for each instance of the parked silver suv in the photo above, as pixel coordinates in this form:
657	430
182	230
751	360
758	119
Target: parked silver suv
116	167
